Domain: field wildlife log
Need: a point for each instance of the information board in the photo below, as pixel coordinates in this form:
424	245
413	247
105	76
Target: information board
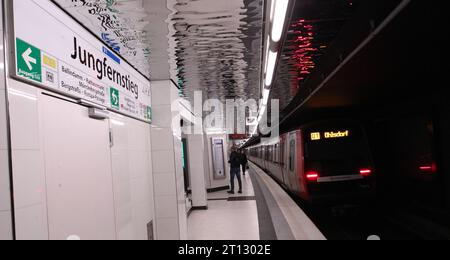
55	52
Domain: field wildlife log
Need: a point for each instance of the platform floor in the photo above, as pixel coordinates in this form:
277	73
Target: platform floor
263	212
224	219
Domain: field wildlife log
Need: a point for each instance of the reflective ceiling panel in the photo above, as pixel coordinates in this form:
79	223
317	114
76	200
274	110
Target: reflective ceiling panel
218	47
213	46
136	29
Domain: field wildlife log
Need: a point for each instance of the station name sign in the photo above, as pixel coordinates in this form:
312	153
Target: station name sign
56	53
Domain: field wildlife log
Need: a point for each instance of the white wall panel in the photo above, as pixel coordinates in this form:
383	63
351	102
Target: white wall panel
170	204
164	162
29	177
31	205
31	223
23	110
78	172
197	155
164	181
168	228
132	177
5	200
163	139
125	205
5	225
3	124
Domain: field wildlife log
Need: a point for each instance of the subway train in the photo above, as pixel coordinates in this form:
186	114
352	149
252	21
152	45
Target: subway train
321	163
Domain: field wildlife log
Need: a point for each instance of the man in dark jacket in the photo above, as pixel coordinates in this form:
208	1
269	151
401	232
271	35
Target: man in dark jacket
235	166
244	162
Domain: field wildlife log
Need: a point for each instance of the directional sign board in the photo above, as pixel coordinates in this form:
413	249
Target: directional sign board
28	61
54	52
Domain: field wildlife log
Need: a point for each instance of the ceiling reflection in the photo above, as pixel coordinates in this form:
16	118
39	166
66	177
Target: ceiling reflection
213	46
120	24
314	26
218	47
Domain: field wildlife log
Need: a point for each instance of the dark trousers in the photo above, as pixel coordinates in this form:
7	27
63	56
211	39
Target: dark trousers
244	168
236	172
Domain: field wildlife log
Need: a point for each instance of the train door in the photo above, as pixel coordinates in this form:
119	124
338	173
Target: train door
292	162
282	158
266	157
301	163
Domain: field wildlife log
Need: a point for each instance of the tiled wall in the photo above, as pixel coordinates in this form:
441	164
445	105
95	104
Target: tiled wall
30	201
170	199
197	157
5	199
131	161
132	177
179	172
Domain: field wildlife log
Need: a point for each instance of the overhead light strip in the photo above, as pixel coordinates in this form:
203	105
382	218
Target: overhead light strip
279	19
271	63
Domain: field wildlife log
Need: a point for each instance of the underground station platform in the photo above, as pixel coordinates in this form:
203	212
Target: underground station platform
224	128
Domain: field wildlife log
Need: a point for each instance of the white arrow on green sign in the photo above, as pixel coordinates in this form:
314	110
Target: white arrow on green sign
28	61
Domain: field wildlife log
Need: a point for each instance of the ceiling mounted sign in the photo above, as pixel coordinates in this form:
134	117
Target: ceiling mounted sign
53	51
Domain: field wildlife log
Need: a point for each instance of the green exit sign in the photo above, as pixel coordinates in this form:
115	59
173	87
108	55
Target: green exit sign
28	61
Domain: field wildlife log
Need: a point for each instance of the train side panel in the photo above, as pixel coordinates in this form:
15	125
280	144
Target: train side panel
303	189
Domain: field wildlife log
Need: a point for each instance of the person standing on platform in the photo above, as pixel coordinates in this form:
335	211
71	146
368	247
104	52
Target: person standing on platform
235	166
244	162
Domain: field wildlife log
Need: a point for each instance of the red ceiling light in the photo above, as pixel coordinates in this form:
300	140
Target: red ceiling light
304	50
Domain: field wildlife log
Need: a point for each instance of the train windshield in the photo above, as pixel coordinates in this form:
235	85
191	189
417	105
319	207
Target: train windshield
335	150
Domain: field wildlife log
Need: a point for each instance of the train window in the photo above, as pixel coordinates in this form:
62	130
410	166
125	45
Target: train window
282	153
274	149
275	153
292	156
271	156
